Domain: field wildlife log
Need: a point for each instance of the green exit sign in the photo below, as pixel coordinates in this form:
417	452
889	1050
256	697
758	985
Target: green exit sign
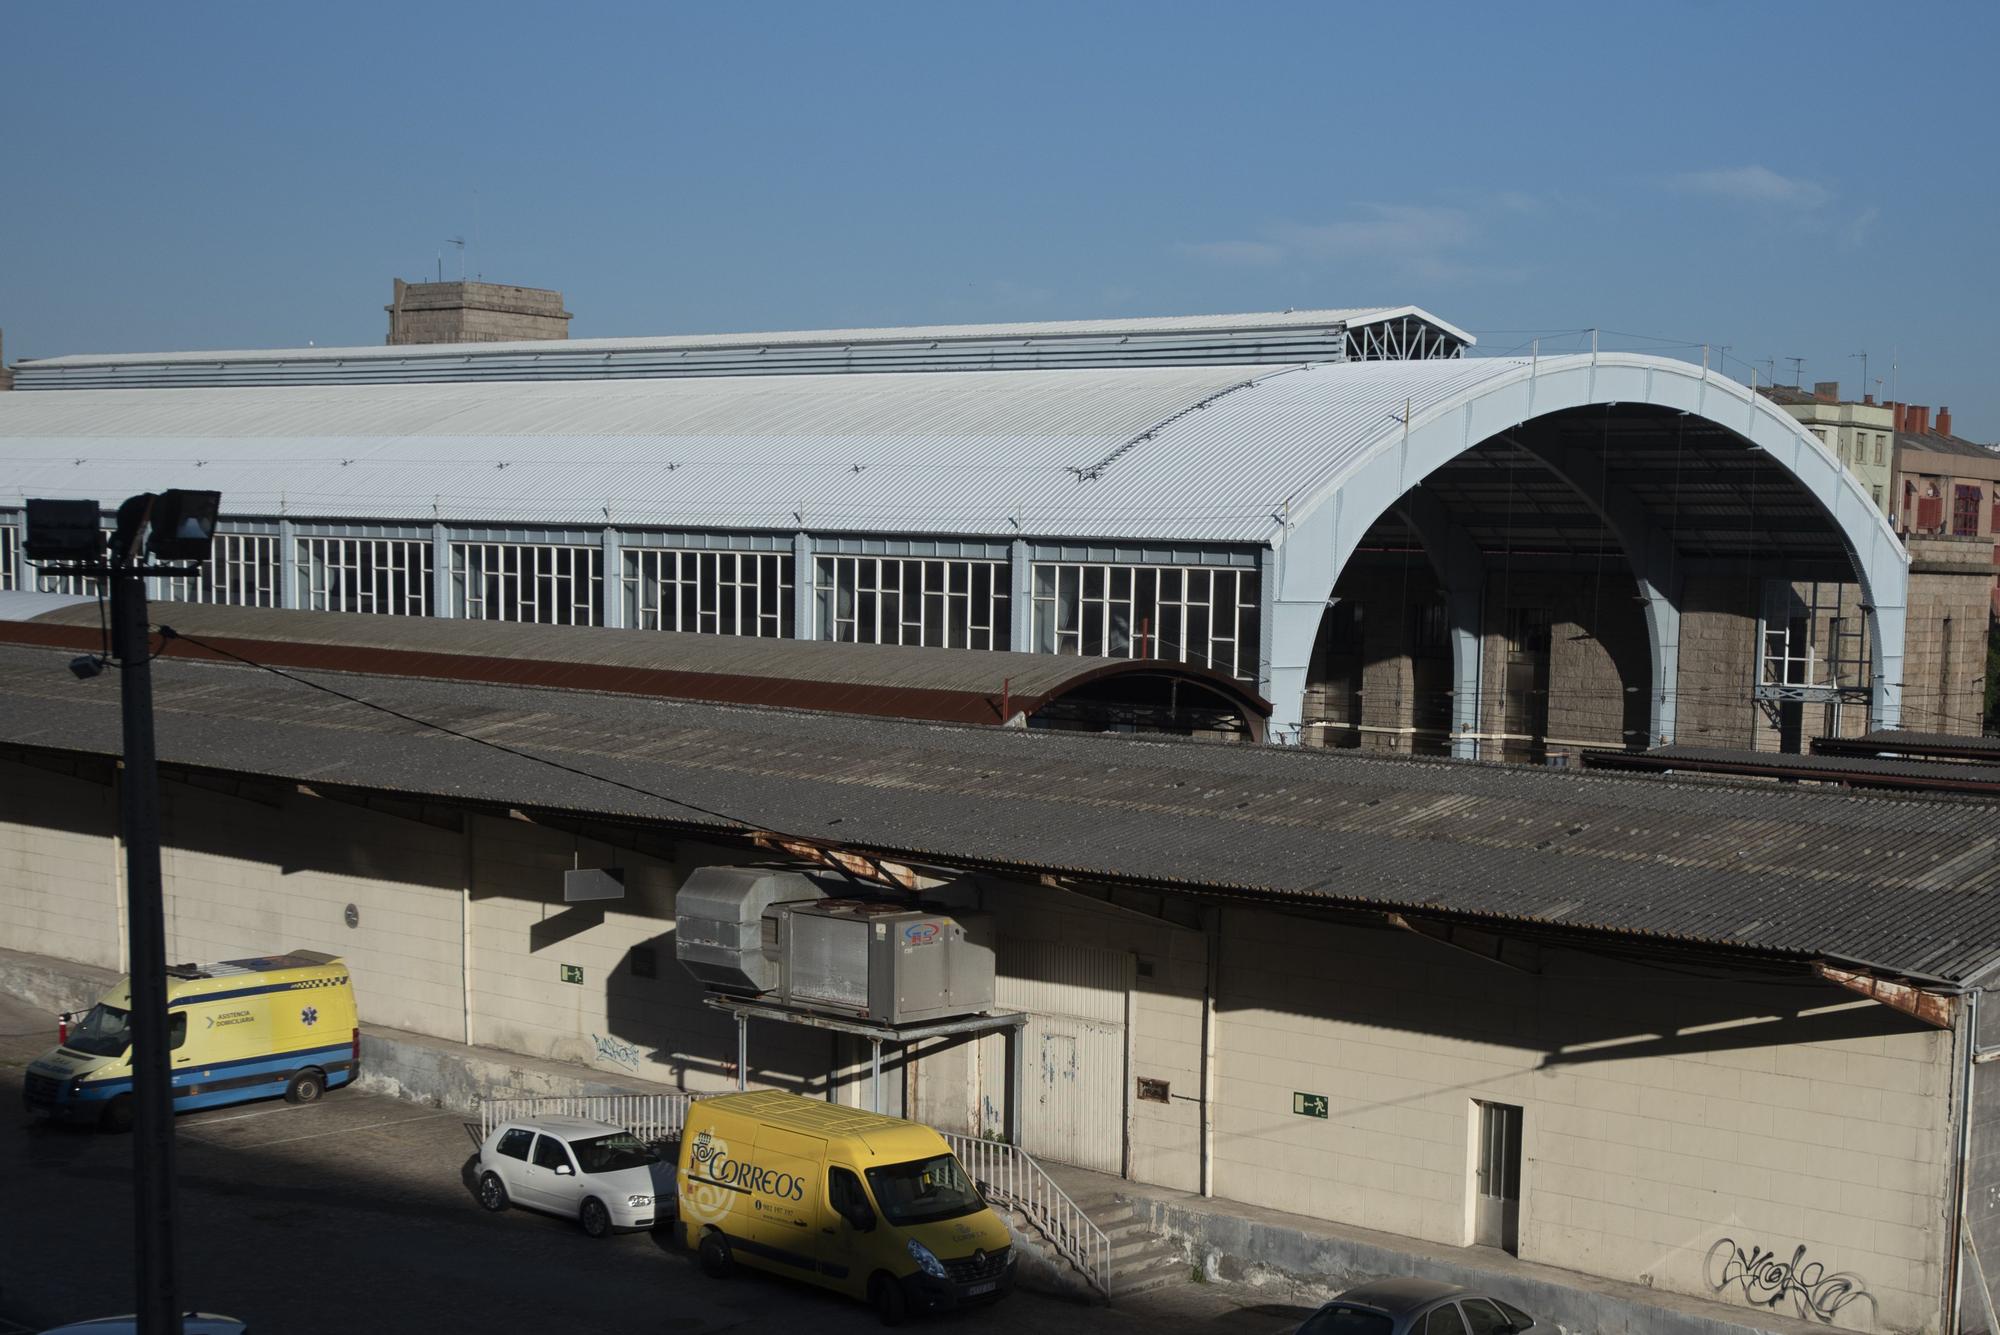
573	973
1309	1105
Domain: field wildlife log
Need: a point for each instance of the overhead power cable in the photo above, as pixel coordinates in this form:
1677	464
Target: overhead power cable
169	633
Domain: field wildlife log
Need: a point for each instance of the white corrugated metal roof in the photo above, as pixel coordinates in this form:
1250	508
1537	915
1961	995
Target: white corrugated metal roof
1256	321
1208	453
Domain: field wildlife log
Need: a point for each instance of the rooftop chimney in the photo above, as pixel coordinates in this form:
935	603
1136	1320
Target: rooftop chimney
1944	421
1827	391
1920	415
1868	399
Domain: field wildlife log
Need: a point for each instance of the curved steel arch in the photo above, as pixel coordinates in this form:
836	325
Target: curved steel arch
1321	532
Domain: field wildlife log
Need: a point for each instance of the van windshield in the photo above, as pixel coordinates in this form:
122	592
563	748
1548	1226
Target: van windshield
925	1190
105	1032
610	1154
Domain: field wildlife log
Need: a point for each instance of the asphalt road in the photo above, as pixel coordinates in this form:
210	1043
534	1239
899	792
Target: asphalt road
357	1214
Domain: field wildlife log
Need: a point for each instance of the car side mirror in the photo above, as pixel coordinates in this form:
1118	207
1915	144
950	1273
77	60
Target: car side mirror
564	1170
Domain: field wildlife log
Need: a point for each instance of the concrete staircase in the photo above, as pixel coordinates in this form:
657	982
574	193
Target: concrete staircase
1141	1260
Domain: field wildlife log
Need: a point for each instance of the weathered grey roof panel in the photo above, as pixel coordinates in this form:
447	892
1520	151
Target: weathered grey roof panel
1909	884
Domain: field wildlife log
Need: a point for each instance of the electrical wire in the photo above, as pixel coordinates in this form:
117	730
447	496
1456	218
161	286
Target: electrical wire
168	633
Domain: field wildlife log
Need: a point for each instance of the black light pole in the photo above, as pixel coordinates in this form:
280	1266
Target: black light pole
139	819
64	536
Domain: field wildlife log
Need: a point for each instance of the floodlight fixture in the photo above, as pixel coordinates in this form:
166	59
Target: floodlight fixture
183	524
63	531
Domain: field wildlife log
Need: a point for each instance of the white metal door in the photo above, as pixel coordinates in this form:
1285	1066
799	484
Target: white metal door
1073	1070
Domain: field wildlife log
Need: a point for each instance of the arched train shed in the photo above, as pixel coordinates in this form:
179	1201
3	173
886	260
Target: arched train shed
1488	556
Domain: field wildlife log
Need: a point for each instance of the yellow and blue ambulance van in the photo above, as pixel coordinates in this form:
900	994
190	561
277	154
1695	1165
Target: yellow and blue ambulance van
239	1030
872	1206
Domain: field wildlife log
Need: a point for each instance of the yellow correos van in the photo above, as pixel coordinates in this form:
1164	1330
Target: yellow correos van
872	1206
242	1029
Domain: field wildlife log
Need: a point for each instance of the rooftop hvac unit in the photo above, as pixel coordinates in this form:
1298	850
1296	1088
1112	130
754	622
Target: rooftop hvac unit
778	935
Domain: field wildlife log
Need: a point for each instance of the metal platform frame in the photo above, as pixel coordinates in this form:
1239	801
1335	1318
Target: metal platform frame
877	1034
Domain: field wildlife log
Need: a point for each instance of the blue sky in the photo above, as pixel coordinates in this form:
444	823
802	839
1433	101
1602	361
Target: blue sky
1788	180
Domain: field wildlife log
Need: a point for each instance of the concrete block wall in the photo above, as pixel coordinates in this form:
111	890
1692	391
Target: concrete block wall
1718	662
60	868
1667	1119
1600	667
1170	978
1944	663
250	875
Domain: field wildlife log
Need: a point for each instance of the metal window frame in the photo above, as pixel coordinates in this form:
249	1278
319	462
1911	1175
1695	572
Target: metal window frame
1150	629
382	576
10	554
242	570
1836	670
1965	499
851	597
707	591
522	581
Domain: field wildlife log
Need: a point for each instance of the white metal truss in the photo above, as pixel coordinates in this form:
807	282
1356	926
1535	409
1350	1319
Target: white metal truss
1812	642
945	603
708	592
241	571
1401	340
554	584
1190	614
384	575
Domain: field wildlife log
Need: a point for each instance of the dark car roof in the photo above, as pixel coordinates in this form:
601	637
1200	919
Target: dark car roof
1397	1296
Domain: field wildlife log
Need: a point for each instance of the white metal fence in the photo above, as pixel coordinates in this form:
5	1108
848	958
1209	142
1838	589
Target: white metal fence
1008	1175
650	1117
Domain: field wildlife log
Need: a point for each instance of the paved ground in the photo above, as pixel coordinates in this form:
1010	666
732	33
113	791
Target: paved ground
356	1214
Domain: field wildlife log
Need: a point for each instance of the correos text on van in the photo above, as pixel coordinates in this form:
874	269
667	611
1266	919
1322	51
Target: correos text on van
239	1030
872	1206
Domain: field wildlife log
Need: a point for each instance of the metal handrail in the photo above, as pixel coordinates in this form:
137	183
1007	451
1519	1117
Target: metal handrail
1008	1174
651	1117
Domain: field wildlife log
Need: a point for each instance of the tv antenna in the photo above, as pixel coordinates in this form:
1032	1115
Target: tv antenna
1864	366
458	241
1798	365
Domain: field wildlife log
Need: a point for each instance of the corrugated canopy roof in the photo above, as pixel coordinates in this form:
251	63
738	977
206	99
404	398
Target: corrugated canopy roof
1208	453
1125	327
899	681
1908	885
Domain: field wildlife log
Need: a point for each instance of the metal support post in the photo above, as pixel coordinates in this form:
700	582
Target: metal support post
440	572
875	1072
742	1051
288	565
1021	591
612	553
158	1307
1017	1070
802	589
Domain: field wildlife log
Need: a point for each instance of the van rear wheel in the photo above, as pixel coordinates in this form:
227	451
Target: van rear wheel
716	1262
306	1087
890	1304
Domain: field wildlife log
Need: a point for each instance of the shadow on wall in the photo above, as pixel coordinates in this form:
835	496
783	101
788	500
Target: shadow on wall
1570	1008
655	1012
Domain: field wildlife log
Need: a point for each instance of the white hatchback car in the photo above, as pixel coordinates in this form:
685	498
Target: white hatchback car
602	1176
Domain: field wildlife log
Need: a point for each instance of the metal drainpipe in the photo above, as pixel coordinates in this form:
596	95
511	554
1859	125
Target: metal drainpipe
1971	1046
1213	944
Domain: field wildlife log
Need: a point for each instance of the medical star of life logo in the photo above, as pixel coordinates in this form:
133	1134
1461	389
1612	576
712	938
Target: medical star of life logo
310	1015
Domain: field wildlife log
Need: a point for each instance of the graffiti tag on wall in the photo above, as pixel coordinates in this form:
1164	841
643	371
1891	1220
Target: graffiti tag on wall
1762	1279
618	1050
